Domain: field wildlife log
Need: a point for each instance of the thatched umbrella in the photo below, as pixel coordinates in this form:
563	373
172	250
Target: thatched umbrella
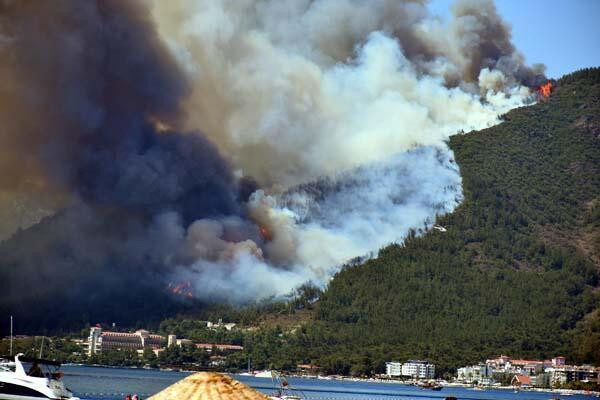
208	386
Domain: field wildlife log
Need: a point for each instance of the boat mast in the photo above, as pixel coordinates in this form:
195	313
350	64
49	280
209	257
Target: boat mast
11	334
41	347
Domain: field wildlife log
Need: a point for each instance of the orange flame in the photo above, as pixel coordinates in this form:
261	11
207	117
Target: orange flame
264	232
183	289
545	90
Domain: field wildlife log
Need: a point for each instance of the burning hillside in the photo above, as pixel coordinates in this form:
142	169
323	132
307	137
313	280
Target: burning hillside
183	289
152	124
545	90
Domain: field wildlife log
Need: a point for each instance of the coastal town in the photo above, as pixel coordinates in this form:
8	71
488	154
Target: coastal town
299	200
503	371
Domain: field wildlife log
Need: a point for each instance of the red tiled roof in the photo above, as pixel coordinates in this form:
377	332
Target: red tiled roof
120	334
523	379
525	362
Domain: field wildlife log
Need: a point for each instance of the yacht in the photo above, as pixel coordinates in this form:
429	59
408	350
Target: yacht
263	374
41	381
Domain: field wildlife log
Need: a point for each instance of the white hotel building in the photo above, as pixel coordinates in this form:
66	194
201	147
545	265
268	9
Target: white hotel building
416	369
482	373
393	368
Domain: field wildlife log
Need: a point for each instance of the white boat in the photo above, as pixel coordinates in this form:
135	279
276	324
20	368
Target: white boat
263	374
42	381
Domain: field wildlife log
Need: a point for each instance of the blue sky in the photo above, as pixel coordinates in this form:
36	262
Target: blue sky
563	34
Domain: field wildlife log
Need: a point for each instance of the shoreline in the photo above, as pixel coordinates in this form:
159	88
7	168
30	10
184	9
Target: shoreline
566	392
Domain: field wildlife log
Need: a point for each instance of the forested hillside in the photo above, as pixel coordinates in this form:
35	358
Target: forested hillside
517	270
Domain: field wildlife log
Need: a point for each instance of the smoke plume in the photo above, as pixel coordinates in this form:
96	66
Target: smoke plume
246	147
341	111
294	90
88	93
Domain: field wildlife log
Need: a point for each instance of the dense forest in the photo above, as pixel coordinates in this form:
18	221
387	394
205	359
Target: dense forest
517	270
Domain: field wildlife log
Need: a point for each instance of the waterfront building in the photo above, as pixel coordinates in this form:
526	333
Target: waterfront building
498	364
561	374
480	373
505	364
540	373
99	340
522	381
418	369
94	340
393	368
543	380
527	367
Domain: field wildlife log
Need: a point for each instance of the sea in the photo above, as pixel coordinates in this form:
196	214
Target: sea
100	383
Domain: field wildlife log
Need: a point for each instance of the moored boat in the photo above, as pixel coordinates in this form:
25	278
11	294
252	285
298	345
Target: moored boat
41	381
430	386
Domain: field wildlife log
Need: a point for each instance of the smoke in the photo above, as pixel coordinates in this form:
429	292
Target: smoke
341	111
246	147
90	100
294	90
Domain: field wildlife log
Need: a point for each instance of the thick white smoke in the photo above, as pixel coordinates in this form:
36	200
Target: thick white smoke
341	110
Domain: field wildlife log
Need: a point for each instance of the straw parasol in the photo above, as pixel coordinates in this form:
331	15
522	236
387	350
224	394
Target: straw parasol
208	386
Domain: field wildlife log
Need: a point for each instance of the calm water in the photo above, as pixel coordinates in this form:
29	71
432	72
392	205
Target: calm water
95	383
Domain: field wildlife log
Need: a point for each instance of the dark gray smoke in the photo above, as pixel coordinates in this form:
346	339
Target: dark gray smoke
85	83
88	96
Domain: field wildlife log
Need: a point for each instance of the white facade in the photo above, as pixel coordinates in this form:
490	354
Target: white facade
100	341
94	341
415	369
418	369
171	340
393	368
480	373
228	326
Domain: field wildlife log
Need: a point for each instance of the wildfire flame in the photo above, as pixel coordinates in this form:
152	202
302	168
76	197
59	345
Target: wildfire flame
181	289
264	232
545	90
